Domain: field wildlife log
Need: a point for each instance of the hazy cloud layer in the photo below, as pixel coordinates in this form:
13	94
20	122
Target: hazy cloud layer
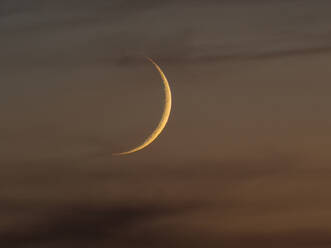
281	202
120	31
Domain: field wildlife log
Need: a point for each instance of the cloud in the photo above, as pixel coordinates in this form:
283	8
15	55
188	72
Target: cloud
67	203
87	225
121	33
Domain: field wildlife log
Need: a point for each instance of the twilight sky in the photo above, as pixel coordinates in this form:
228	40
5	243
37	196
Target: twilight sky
243	161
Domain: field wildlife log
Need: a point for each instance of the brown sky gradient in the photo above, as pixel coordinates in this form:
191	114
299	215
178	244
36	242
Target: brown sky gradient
243	162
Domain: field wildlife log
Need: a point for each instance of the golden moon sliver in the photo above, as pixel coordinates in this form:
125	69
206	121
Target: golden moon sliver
165	116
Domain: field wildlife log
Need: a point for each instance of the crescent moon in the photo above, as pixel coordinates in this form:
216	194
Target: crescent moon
165	115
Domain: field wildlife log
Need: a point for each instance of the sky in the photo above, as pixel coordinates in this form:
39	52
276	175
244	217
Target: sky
243	161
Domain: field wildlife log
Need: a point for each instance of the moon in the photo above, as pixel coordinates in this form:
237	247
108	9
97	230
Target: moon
165	116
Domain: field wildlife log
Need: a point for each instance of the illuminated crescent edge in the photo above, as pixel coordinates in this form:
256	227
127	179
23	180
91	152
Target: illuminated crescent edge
165	115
